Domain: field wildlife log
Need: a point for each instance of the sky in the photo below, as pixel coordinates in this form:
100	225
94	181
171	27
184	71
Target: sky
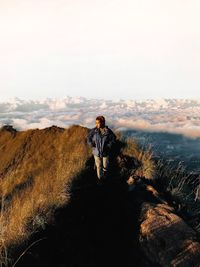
106	49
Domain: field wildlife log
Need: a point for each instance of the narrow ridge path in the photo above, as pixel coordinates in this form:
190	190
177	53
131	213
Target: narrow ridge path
97	228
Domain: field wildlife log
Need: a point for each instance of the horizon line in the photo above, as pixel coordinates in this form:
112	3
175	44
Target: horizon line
92	98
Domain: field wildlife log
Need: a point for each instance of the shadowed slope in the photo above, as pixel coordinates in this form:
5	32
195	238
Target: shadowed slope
98	227
54	214
39	170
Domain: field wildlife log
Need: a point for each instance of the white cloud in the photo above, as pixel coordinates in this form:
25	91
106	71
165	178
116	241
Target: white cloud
175	116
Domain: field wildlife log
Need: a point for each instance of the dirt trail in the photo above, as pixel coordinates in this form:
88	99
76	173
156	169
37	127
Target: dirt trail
97	228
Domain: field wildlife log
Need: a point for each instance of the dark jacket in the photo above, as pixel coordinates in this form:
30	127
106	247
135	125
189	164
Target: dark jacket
101	144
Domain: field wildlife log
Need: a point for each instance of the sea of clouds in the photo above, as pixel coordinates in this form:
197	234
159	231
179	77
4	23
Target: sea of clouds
165	115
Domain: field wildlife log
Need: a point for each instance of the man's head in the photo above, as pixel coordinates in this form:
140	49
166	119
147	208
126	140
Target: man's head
100	122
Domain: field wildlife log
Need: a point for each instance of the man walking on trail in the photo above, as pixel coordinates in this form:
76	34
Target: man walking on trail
101	139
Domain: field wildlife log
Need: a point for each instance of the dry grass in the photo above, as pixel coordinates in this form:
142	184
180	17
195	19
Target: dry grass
36	169
183	189
142	155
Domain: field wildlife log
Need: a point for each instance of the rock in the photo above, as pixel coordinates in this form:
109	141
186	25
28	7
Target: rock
8	128
54	129
165	239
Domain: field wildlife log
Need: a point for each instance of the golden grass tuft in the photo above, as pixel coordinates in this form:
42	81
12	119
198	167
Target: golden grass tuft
143	156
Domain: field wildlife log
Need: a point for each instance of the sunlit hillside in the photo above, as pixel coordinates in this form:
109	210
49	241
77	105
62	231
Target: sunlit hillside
53	212
36	170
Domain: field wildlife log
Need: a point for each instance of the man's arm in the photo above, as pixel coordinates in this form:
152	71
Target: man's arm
89	138
112	139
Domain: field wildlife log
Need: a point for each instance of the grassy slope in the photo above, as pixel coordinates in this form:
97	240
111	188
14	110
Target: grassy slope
37	168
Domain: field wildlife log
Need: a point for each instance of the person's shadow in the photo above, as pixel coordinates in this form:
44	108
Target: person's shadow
98	227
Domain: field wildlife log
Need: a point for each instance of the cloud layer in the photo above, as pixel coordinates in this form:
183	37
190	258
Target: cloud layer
166	115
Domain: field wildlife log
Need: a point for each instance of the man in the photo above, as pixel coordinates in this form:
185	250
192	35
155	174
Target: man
101	139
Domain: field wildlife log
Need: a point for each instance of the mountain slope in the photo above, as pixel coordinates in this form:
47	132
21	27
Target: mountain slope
54	214
35	167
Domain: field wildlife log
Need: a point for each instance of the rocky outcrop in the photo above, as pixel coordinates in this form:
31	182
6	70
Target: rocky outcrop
166	239
8	128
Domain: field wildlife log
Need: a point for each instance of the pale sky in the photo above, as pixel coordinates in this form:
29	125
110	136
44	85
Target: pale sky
99	48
